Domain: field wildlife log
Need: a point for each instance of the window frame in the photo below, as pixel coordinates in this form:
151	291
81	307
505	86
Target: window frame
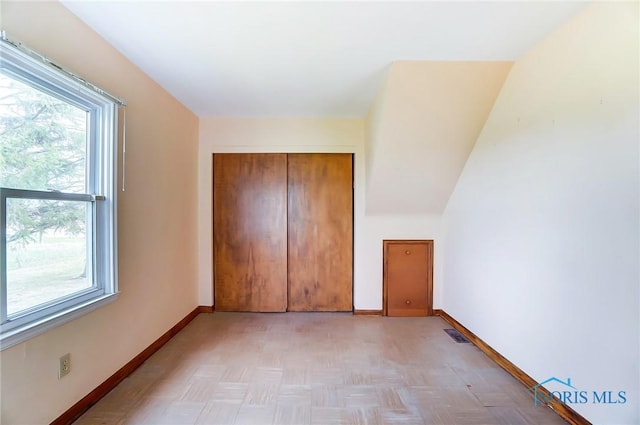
101	183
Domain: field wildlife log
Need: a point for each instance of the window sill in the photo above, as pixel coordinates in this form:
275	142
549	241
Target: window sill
30	330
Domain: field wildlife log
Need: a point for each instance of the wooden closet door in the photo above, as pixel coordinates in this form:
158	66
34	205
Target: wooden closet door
320	219
250	232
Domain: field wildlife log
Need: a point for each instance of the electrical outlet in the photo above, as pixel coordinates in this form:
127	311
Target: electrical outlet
64	367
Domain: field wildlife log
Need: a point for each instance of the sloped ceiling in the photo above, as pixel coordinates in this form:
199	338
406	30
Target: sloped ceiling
329	59
421	129
306	58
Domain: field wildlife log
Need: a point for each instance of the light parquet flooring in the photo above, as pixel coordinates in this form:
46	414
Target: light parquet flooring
317	369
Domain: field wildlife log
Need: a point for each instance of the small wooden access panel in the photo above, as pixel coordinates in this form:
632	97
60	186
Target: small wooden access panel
408	278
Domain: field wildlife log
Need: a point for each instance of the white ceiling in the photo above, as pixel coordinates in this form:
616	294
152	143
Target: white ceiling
306	58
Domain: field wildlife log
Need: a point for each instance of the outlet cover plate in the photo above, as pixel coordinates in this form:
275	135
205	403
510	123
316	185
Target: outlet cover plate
64	367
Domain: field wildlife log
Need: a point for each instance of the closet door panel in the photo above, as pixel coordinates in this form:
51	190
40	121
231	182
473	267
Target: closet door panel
250	232
320	239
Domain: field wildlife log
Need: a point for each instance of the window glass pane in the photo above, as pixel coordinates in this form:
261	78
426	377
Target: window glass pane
43	142
47	247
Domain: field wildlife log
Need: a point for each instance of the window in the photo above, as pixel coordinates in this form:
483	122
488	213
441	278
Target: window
57	196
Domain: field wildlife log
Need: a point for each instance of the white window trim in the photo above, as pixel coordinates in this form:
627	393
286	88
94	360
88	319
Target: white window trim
48	77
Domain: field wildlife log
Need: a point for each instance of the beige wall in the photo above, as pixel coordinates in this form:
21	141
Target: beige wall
398	138
422	127
218	135
156	219
418	133
374	126
310	135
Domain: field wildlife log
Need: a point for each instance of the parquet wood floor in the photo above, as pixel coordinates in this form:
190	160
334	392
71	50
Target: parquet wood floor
317	369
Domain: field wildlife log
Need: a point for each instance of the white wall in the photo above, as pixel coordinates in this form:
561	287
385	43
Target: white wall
220	135
542	244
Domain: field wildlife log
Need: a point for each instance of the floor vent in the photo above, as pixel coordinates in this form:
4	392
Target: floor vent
456	336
